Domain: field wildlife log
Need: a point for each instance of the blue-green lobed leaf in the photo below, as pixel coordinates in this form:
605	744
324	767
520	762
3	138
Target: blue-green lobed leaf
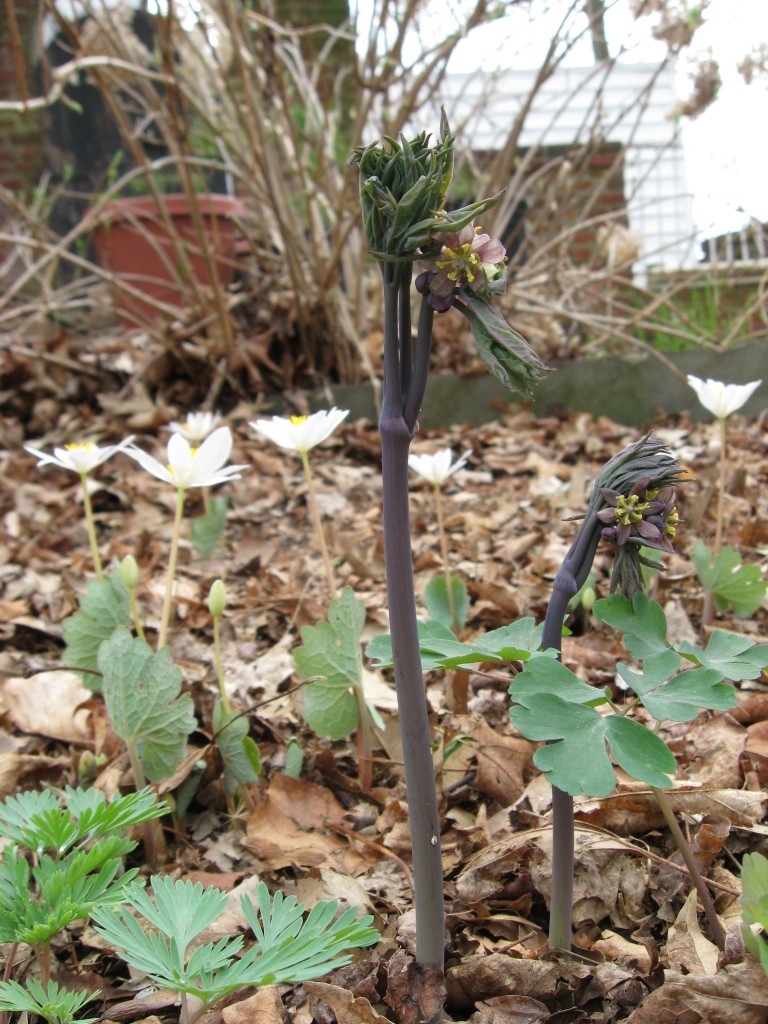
670	694
735	657
740	587
331	651
641	620
104	606
549	676
577	761
142	694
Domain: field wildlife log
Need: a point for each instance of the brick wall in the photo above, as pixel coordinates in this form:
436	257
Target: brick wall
592	187
21	151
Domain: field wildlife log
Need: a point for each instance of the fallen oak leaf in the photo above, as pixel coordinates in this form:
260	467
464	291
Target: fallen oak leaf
349	1009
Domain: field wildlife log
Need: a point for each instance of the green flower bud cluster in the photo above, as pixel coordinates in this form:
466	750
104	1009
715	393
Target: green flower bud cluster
402	193
402	189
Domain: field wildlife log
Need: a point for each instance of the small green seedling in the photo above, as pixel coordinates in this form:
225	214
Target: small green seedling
155	937
64	860
754	904
54	1004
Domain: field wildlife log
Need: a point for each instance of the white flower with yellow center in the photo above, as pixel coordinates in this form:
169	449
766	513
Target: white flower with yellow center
192	467
721	399
196	427
81	457
301	433
439	467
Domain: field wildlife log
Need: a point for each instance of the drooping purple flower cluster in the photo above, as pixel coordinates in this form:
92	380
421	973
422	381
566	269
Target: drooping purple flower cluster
646	516
467	257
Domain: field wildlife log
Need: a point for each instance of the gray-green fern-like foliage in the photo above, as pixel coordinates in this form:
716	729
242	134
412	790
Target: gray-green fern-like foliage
154	935
77	845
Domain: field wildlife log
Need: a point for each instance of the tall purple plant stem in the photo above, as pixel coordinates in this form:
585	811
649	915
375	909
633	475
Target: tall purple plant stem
569	580
404	385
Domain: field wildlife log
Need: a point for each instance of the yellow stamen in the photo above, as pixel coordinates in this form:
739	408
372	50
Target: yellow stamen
298	420
465	256
85	446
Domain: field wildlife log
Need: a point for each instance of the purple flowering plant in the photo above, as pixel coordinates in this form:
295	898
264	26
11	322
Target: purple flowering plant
403	187
632	509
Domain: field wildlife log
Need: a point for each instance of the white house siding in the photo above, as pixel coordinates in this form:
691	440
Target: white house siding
634	109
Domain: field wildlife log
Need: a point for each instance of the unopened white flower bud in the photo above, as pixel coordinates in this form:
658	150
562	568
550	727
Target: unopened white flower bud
129	571
217	599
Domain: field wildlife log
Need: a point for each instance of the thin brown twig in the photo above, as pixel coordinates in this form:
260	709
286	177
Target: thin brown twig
373	846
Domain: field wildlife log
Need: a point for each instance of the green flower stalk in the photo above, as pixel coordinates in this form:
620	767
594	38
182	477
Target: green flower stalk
217	602
437	469
82	458
403	185
301	434
632	506
721	400
242	762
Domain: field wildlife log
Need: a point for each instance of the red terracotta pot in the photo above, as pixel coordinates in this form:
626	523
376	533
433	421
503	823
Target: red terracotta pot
133	242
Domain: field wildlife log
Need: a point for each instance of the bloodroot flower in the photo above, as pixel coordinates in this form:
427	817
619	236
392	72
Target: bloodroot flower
719	398
301	433
81	457
438	467
196	427
192	467
467	257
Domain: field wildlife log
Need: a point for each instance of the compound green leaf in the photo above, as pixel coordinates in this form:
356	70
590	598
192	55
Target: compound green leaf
142	694
640	752
641	620
579	762
732	584
104	606
330	656
733	656
670	694
546	675
519	641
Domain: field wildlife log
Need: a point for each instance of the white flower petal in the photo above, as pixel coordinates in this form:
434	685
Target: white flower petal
148	462
211	455
301	434
278	430
196	427
80	458
719	398
180	459
189	467
437	468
